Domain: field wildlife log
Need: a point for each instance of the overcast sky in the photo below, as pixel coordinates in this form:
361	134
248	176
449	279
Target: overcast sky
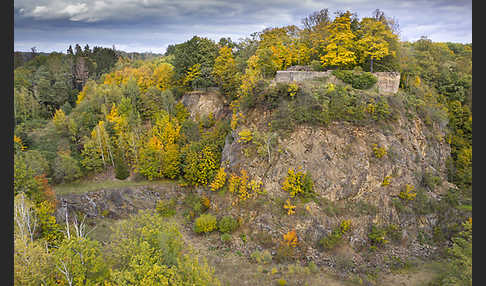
151	25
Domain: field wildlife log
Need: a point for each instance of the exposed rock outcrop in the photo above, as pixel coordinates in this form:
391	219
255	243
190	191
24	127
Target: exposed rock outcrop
113	203
201	104
345	171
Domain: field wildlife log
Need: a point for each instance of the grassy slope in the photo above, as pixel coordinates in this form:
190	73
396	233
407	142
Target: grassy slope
84	186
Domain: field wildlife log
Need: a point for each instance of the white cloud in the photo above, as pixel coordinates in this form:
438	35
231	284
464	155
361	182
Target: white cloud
153	24
39	11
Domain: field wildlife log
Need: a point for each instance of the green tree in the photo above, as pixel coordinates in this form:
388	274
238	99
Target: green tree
197	50
459	267
24	180
79	261
66	168
33	264
150	253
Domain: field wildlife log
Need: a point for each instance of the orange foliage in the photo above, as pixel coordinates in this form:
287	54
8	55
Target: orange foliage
47	190
291	238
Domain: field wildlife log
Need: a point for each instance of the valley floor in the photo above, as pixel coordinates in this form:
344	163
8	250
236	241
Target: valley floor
235	268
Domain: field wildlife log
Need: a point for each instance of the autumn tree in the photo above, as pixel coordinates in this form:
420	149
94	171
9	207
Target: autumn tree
97	151
24	180
252	75
159	156
280	48
340	50
125	120
33	264
225	71
200	163
374	37
79	262
153	253
163	76
315	32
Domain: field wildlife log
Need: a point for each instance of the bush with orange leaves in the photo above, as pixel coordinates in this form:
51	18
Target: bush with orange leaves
290	238
286	249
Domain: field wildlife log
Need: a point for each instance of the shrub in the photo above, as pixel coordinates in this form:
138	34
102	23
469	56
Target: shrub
377	236
121	169
292	89
290	208
244	189
408	194
358	80
394	232
166	208
386	181
261	257
225	238
379	151
332	240
345	226
245	136
205	223
297	183
290	238
219	180
335	238
195	204
227	224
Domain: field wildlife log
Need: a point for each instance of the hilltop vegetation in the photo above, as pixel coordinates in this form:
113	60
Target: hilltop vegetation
95	111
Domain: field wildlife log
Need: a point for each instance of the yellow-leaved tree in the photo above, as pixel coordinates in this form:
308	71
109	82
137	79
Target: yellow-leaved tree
252	75
159	156
225	72
97	150
374	37
163	76
192	73
340	50
126	139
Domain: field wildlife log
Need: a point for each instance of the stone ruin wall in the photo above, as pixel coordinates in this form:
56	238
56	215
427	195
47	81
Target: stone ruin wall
387	83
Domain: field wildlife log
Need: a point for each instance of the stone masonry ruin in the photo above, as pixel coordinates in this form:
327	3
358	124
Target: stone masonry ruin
387	83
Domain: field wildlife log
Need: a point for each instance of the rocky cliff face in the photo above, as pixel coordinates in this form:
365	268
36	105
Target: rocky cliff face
201	104
346	172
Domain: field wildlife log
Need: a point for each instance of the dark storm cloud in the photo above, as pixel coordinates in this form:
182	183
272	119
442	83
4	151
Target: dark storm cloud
143	25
